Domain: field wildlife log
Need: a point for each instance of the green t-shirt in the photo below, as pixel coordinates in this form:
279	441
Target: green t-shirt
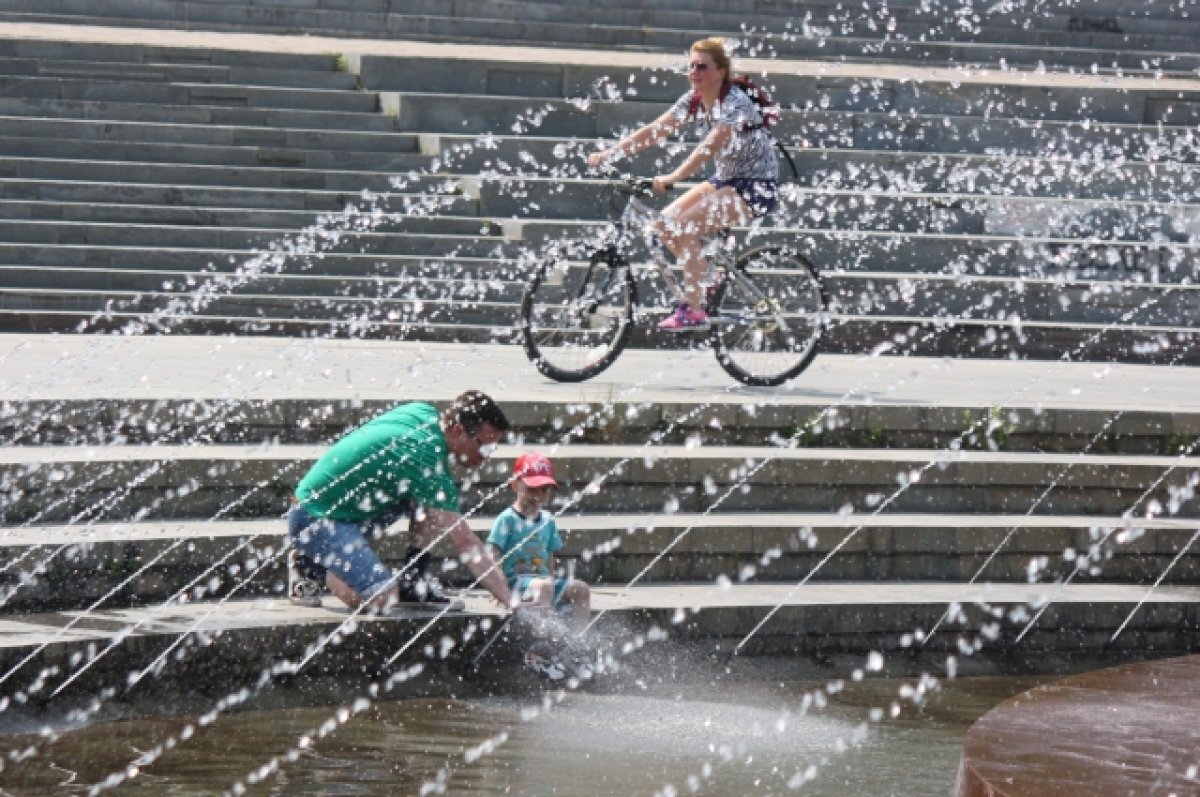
400	455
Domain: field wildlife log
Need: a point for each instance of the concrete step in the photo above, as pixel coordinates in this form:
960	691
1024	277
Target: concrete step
74	566
368	327
1073	48
540	9
481	114
492	324
51	108
51	484
481	242
1009	175
430	285
952	253
344	264
902	19
152	72
209	155
185	94
459	114
228	644
247	312
234	218
61	48
1069	174
926	130
426	194
858	296
98	171
822	209
950	134
890	91
915	255
853	209
552	421
100	130
880	171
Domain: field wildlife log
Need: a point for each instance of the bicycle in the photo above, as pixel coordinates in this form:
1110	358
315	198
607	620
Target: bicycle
766	308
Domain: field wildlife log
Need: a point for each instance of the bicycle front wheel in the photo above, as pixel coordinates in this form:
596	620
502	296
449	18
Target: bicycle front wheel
767	316
576	318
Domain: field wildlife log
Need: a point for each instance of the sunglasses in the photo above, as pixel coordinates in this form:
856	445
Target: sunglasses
697	66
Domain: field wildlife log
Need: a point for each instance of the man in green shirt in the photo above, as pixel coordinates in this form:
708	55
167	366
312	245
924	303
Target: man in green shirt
398	464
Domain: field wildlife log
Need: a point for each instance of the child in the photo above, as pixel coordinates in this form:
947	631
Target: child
524	539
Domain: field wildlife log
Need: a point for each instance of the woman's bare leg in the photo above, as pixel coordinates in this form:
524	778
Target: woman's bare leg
700	212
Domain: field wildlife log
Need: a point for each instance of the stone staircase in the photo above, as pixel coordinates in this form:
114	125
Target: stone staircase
132	174
123	505
177	188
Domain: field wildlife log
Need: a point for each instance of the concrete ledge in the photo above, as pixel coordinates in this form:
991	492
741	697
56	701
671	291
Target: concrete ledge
50	484
143	563
236	642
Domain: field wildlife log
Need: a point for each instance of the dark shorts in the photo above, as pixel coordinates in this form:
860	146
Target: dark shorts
761	195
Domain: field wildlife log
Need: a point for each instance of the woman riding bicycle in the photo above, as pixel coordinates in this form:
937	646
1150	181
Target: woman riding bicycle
745	183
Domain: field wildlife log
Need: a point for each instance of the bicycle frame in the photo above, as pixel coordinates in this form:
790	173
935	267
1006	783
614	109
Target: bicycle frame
638	214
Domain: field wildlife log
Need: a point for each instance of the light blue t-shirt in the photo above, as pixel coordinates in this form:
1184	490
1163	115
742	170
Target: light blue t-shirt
531	541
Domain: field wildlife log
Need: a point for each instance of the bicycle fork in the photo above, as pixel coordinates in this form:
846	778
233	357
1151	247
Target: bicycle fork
589	295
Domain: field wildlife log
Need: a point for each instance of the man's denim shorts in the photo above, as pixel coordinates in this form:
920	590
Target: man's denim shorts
341	548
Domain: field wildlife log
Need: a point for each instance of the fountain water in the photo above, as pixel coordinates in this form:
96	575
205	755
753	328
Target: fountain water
367	700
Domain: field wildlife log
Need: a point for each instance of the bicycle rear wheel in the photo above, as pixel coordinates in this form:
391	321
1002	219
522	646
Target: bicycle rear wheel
767	316
576	319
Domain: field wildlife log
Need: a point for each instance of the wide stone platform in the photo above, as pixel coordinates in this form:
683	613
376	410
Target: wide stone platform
173	368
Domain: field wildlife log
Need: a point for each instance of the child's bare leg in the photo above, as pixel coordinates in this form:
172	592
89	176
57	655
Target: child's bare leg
580	597
543	592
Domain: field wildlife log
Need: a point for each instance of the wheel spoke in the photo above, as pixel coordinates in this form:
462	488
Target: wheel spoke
576	318
769	317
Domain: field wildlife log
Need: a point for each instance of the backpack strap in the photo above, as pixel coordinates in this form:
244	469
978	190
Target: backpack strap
787	156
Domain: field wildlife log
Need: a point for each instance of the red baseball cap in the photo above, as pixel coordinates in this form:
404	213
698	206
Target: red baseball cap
534	470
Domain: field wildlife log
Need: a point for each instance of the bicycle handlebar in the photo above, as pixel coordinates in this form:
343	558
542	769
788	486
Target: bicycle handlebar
636	186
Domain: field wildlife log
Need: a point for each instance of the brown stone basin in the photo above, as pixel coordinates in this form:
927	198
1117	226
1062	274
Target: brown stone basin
1129	730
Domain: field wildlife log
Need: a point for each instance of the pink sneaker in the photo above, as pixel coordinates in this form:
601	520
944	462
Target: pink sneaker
684	319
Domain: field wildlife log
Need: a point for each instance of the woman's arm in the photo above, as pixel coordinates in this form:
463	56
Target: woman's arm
704	152
649	134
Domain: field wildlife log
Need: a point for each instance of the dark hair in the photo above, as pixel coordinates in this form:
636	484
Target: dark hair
473	409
